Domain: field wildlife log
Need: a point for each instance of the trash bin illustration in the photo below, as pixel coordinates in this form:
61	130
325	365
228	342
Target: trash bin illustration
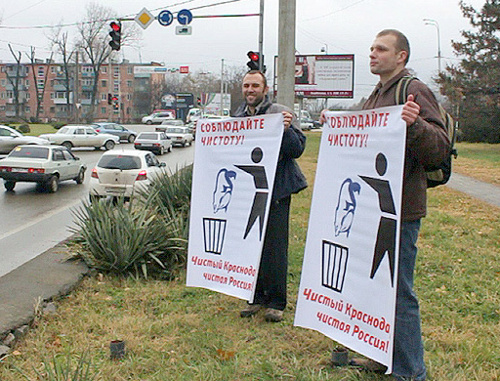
334	265
214	231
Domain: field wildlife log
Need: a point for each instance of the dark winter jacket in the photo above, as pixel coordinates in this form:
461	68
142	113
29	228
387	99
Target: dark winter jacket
427	142
289	178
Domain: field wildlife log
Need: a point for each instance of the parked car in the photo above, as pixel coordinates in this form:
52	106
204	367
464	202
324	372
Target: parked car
10	138
306	124
119	174
157	142
81	136
44	165
158	117
122	132
180	136
169	123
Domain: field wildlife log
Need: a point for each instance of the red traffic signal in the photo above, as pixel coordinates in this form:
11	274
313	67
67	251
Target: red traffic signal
253	64
115	34
256	61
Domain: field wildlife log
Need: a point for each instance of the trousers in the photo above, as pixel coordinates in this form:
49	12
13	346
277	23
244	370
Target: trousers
408	361
270	290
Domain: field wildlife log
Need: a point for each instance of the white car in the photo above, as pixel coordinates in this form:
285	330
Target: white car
158	117
10	138
157	142
81	136
118	174
180	136
44	165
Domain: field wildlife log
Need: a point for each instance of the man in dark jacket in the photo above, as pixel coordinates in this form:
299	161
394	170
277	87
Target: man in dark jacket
270	292
427	145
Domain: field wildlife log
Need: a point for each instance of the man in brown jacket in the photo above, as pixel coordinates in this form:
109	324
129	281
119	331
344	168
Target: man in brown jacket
427	144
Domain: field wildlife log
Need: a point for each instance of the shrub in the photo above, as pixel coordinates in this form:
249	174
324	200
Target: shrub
146	237
57	125
24	128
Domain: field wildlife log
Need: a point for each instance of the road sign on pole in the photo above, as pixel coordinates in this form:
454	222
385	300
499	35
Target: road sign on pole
184	16
165	18
144	18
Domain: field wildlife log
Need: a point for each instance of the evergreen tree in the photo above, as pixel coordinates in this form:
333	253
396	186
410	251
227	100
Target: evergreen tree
473	86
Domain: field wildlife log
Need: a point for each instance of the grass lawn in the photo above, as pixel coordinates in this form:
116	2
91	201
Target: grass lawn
177	333
479	160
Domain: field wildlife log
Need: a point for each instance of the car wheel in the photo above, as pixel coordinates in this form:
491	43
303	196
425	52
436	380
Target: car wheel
52	184
185	144
81	176
169	149
149	122
161	151
109	145
9	185
131	138
68	145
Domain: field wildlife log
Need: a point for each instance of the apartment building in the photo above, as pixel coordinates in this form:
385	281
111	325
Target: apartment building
21	85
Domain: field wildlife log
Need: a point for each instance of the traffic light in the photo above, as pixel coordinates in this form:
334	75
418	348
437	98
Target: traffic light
255	61
116	35
116	105
110	99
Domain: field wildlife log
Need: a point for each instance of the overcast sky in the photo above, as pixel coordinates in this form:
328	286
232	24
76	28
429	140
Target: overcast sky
340	26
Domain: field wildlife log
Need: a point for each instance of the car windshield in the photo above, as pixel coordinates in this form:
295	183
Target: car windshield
122	162
31	152
63	130
149	136
175	130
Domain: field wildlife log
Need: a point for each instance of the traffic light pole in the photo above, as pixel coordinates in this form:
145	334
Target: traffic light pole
286	53
261	35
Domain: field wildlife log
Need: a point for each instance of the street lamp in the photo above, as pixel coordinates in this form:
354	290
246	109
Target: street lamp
435	23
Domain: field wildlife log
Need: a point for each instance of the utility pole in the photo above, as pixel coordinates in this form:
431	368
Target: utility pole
286	53
222	88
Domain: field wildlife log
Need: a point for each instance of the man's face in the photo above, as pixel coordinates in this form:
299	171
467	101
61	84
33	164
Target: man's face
253	89
385	60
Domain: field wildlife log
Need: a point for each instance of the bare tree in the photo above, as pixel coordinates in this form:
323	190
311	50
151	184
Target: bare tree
59	41
39	86
15	80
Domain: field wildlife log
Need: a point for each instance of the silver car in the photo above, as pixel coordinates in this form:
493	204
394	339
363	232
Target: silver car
119	174
81	136
180	136
44	165
10	138
157	142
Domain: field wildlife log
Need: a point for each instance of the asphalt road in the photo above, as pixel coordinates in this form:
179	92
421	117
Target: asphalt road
32	222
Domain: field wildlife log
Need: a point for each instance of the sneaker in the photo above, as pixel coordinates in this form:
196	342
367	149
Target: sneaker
273	315
250	310
368	364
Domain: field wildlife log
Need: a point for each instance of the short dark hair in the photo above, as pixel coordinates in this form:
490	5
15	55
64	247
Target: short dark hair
402	43
254	71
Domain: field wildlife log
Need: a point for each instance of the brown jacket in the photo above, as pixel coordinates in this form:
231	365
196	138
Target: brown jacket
427	142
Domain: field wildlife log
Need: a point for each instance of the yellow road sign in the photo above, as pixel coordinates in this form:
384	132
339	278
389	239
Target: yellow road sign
144	18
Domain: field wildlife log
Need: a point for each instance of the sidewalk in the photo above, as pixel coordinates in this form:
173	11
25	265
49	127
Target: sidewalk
49	275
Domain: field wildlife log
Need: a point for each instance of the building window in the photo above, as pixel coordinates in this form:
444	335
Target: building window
104	83
129	84
28	96
129	97
10	94
27	83
103	110
41	71
52	95
52	110
104	69
130	70
2	82
104	97
116	71
28	109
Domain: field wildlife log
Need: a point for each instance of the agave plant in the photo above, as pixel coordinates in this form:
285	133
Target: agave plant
145	236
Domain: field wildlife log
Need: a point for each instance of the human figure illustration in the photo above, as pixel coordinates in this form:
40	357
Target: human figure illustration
258	209
223	189
346	206
386	235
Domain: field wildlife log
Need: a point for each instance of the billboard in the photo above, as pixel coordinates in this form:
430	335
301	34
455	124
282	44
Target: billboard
322	76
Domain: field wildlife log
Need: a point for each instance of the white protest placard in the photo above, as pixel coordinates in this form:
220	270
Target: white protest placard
233	176
349	276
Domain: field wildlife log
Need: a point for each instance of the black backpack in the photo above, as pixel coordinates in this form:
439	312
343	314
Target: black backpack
440	174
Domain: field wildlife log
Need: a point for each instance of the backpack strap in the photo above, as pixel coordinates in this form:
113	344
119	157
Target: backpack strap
401	93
